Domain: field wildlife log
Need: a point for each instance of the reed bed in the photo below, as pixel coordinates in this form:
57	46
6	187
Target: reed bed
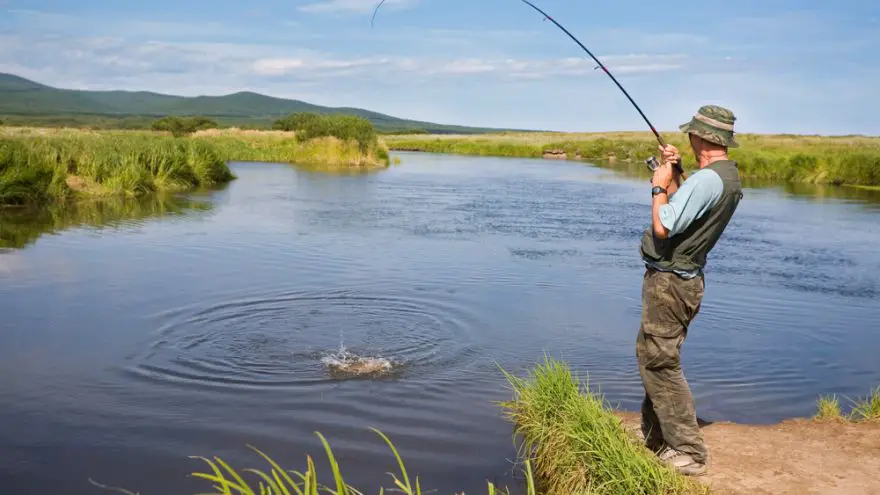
844	160
39	168
577	445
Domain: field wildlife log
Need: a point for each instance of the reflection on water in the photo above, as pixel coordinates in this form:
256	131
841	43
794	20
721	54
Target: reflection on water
21	227
820	192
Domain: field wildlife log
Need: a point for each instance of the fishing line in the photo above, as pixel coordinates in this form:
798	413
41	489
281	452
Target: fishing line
651	162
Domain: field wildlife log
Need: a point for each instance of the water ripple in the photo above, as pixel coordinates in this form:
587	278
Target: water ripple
282	340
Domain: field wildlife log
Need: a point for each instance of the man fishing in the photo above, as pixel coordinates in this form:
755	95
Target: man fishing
687	220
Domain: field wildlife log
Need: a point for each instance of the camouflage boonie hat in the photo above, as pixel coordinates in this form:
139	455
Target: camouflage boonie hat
714	124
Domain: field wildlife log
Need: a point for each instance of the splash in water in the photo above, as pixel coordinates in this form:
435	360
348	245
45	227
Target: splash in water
346	363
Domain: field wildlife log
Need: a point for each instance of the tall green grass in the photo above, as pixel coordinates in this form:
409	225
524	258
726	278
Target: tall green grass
39	166
865	408
822	160
278	481
828	408
28	175
37	169
577	445
868	407
225	479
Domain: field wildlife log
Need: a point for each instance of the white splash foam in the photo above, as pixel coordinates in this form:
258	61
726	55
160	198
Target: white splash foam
344	361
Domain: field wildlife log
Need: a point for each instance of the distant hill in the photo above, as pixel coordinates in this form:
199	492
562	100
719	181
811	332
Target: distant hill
23	100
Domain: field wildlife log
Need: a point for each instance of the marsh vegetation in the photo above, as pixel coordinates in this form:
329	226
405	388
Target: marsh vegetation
39	166
844	160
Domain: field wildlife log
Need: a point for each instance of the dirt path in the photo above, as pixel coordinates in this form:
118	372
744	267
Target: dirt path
795	457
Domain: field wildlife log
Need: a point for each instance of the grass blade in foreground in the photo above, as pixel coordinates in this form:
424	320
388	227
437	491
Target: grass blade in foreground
576	443
278	482
868	408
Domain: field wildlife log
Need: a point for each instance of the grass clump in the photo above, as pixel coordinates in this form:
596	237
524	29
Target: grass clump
39	168
828	408
576	443
867	408
28	175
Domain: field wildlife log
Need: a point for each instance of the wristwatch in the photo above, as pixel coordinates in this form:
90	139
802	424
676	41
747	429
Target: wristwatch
657	190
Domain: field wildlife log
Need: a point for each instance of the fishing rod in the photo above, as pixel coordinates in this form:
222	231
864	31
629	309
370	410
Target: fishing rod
651	162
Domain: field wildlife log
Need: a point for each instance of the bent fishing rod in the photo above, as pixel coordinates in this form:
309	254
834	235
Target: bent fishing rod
651	162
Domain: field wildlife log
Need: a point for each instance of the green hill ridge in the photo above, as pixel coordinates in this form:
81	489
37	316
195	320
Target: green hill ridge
23	101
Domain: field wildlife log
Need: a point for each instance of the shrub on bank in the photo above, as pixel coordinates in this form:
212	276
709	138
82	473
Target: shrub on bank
182	126
345	127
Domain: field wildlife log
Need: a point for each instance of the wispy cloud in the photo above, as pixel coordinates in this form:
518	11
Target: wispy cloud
507	68
353	5
102	58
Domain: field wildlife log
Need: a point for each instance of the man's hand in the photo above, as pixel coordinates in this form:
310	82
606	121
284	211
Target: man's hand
671	154
668	176
665	176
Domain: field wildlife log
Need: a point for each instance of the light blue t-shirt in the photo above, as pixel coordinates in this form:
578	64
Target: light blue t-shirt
696	196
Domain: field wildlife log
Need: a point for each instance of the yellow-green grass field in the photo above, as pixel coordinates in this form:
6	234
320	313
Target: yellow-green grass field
39	166
844	160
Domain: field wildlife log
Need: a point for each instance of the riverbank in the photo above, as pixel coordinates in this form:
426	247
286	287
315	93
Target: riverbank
577	442
39	166
571	441
847	160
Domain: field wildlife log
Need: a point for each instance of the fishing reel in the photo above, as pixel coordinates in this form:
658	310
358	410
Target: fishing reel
653	164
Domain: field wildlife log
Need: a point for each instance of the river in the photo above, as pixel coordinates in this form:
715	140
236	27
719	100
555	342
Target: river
135	334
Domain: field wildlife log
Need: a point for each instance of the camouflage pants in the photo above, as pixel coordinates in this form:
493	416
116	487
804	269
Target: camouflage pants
669	304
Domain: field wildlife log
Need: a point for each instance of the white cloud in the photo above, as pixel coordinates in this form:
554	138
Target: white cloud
427	67
352	5
280	66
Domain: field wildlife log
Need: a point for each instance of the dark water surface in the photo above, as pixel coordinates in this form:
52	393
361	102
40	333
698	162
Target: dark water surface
196	327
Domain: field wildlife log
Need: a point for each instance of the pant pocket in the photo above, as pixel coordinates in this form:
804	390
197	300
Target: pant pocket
654	352
662	314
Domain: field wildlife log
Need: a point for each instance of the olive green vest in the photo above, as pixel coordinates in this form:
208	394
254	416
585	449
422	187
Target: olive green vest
687	251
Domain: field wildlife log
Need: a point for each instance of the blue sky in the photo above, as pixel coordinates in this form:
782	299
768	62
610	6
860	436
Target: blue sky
781	65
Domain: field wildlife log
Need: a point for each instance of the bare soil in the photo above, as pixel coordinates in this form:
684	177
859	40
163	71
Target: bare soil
802	456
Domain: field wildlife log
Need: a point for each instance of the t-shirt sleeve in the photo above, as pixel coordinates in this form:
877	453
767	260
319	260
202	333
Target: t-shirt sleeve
699	193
